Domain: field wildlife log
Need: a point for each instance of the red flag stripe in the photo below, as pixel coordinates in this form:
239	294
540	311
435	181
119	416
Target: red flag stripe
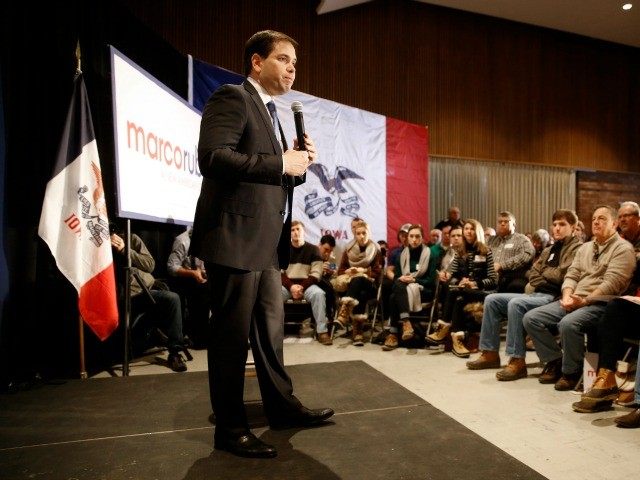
407	176
97	303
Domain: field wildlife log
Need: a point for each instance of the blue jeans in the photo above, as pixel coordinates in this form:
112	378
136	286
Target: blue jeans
316	297
572	327
165	313
513	306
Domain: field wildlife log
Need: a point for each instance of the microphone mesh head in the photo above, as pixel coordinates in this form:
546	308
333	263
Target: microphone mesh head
296	107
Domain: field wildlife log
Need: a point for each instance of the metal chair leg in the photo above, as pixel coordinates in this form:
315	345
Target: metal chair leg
434	306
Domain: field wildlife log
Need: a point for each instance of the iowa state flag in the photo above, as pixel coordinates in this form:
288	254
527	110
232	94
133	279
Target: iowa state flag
369	165
74	221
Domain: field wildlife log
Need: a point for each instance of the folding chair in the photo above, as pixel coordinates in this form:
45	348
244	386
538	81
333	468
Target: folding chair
376	304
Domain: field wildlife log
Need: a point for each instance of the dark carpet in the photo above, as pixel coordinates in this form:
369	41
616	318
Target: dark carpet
157	427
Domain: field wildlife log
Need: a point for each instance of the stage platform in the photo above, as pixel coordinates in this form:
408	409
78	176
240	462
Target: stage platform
157	427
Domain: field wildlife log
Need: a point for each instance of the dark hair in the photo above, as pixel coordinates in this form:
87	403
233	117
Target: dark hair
330	239
263	44
565	214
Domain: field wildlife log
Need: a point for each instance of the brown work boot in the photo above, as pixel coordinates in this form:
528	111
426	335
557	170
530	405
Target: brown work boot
630	420
487	359
324	338
591	406
407	330
604	387
515	369
441	333
356	335
568	381
390	343
551	372
458	347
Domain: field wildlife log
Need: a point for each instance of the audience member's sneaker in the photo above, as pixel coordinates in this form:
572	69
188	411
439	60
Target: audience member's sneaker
324	338
487	359
176	362
407	330
390	343
551	372
515	369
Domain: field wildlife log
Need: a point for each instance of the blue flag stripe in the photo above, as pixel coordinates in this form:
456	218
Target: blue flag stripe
78	129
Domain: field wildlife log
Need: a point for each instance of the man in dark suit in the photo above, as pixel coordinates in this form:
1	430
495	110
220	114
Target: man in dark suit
242	231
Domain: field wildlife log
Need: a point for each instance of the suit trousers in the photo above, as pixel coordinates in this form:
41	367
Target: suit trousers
246	306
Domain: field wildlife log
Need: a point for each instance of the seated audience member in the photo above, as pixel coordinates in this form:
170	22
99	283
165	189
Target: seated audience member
360	267
435	237
629	224
512	252
163	308
414	283
395	252
472	277
601	267
384	248
390	265
489	232
545	279
540	240
580	231
619	321
455	241
188	278
453	219
329	268
447	251
632	419
301	277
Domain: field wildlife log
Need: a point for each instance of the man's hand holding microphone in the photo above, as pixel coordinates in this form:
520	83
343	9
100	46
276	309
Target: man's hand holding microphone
304	152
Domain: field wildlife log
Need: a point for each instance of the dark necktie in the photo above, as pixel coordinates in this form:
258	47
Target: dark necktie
271	106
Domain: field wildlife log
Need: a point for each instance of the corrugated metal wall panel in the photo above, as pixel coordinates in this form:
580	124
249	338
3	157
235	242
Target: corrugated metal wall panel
483	189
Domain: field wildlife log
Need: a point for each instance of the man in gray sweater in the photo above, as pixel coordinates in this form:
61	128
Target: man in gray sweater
601	268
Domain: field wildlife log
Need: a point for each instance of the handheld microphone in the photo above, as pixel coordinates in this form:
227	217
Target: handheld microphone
296	107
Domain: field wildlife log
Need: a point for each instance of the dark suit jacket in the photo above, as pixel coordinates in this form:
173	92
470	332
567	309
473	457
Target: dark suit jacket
240	212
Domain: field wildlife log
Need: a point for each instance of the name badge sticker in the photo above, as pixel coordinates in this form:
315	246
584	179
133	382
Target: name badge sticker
479	258
508	245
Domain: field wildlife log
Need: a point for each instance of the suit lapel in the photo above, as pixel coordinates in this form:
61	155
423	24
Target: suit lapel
264	115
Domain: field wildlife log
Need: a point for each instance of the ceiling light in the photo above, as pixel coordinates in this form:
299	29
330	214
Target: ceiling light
627	6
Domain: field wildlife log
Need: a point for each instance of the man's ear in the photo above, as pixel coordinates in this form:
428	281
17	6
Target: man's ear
256	62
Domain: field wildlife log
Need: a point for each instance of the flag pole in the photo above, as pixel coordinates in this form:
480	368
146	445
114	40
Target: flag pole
127	299
83	367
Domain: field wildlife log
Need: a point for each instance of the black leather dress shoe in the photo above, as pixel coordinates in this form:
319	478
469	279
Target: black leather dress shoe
305	417
247	445
630	420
